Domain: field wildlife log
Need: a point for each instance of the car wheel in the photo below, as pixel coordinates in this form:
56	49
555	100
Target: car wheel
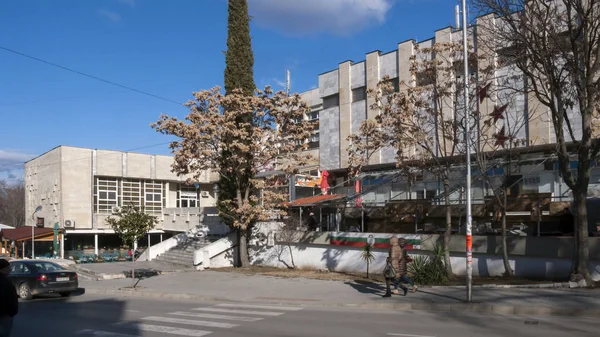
65	294
25	291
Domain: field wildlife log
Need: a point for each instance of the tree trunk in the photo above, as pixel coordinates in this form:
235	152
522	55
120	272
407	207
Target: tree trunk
507	268
367	268
448	233
244	260
133	266
581	262
291	256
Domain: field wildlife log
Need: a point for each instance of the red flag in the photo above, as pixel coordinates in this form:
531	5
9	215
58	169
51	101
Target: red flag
357	189
324	184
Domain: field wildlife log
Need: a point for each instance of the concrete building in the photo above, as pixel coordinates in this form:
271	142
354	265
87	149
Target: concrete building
342	105
78	188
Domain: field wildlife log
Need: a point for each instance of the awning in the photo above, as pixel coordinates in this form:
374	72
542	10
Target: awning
314	200
24	233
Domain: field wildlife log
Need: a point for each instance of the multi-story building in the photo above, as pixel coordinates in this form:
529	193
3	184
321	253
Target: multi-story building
78	188
342	105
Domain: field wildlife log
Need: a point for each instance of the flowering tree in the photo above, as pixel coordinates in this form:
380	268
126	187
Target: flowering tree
275	131
423	121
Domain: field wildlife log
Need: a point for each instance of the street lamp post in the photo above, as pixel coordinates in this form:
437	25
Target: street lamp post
37	209
469	238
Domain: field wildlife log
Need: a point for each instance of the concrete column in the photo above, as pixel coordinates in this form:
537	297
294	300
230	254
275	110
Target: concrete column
406	50
373	77
161	239
148	246
62	246
96	244
345	93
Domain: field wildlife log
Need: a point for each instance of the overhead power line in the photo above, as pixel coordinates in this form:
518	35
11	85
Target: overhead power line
90	76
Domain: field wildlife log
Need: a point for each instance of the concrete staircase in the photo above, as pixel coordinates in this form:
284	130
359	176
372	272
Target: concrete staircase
183	254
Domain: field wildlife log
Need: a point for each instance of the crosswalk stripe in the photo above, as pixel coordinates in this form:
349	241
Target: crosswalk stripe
163	329
236	305
264	313
190	322
90	332
214	316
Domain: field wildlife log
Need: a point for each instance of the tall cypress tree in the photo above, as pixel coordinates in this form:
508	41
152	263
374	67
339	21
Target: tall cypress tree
239	74
239	58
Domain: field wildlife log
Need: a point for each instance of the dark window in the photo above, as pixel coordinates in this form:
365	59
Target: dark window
331	101
359	94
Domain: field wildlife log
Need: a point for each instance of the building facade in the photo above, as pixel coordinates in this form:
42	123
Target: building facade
341	104
78	188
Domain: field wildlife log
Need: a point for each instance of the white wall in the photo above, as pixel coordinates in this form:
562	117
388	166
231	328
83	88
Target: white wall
346	259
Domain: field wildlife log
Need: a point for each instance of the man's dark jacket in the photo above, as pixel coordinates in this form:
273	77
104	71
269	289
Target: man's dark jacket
9	301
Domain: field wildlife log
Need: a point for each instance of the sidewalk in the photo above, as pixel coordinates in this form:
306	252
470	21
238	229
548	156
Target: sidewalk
236	287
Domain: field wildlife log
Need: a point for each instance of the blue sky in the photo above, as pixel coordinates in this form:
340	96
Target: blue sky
170	49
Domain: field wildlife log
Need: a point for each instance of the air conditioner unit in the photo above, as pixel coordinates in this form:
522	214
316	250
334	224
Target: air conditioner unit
115	209
204	194
69	224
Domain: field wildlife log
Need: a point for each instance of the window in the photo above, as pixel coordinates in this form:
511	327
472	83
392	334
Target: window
314	138
331	101
106	191
187	196
420	194
430	194
131	192
19	268
359	94
153	193
313	115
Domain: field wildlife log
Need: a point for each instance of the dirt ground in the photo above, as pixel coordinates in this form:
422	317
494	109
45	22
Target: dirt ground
374	277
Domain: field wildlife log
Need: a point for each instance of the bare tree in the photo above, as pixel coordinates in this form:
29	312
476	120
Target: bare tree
422	121
556	44
12	203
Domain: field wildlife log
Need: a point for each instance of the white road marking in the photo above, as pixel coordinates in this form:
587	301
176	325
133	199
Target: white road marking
89	332
264	313
225	317
404	335
163	329
190	322
232	305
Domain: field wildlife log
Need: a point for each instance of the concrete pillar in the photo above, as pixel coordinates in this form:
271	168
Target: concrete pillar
345	94
161	239
148	247
62	246
372	78
96	244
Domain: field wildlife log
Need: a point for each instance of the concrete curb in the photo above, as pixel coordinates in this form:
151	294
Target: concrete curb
513	286
383	305
123	275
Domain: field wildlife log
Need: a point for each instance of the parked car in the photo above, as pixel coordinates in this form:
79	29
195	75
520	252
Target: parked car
37	277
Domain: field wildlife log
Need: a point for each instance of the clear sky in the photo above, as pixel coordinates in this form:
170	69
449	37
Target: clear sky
168	48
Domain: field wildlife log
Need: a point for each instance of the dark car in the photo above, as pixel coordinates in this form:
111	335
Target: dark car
36	277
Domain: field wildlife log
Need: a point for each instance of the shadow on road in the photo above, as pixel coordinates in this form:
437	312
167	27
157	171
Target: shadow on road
366	287
73	316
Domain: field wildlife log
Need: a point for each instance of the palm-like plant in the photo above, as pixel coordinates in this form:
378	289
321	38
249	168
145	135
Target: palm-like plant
367	255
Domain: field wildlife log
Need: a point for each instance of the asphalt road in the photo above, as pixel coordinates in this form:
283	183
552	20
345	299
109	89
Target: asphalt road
89	315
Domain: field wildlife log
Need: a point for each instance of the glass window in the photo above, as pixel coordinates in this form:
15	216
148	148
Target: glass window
106	194
359	94
331	101
153	192
187	196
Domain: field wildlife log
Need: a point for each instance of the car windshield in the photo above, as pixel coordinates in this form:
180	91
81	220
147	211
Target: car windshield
47	266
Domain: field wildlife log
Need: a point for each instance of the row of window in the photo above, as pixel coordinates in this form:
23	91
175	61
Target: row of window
113	192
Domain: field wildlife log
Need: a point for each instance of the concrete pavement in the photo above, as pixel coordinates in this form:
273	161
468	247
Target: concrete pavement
236	287
121	270
91	315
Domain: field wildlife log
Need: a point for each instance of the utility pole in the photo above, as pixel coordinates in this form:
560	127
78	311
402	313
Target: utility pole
468	151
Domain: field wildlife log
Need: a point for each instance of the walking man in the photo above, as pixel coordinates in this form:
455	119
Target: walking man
402	268
9	302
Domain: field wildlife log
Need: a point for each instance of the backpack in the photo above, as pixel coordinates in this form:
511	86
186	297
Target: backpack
389	271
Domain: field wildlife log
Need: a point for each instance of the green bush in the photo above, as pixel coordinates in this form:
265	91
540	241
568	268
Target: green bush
429	270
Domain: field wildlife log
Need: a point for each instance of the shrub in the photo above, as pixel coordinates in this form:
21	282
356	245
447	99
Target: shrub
431	269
